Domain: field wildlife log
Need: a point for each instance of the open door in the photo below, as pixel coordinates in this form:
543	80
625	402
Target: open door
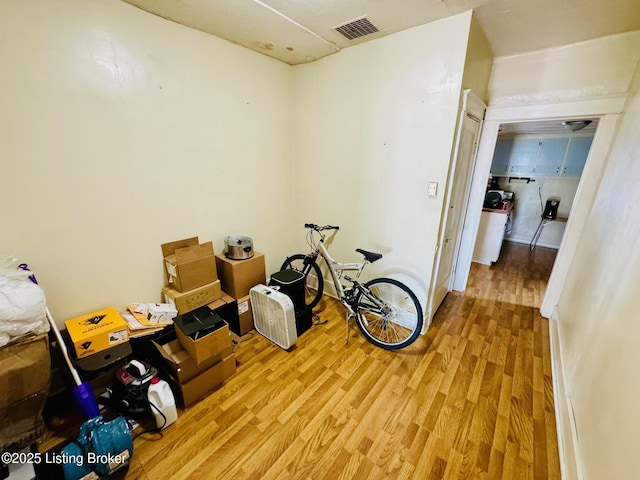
455	205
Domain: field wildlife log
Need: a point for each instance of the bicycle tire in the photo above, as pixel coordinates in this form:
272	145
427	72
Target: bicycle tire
314	285
400	321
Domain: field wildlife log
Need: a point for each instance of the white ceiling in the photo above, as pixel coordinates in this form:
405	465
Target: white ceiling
300	31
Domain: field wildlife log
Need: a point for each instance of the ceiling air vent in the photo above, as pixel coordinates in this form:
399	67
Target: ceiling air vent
356	28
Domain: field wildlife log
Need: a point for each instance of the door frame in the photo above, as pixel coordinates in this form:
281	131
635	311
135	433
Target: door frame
474	107
608	110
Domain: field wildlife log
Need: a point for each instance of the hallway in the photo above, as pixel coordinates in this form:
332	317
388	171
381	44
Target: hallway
494	335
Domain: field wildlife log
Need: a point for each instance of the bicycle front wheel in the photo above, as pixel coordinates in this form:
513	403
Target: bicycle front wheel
313	281
388	314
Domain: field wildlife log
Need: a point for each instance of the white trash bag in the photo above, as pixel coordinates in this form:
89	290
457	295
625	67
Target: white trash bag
23	306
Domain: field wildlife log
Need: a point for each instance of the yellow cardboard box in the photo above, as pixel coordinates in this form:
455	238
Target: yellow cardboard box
97	331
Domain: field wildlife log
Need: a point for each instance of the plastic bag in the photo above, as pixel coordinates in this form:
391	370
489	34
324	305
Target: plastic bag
22	302
103	448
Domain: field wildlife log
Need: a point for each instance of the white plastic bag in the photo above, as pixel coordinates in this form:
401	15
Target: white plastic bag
22	302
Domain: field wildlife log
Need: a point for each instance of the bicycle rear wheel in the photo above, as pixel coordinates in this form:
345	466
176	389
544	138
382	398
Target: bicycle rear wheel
388	314
313	281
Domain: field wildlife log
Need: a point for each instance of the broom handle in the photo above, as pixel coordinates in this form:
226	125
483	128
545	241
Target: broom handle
54	327
63	348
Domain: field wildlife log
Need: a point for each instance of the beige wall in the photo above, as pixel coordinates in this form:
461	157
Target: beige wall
598	314
127	131
372	126
478	62
526	216
597	68
120	131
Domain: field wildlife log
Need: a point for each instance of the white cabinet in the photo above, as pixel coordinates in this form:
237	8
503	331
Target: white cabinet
490	236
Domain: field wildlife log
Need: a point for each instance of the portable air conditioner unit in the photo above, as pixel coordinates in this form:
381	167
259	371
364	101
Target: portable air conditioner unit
274	315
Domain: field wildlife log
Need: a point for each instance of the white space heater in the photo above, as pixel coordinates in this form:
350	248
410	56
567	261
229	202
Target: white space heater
273	315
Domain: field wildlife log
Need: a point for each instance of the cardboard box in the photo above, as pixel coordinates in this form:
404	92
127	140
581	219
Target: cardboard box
227	307
205	337
207	381
245	316
235	341
186	302
25	370
104	359
239	276
189	264
21	424
97	331
181	365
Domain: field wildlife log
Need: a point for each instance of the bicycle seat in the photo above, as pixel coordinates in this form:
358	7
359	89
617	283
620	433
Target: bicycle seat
370	256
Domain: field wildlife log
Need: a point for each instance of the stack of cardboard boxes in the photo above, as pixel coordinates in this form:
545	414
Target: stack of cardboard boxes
24	385
201	358
190	274
238	277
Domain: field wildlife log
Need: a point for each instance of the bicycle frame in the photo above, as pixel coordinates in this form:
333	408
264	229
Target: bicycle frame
336	269
373	304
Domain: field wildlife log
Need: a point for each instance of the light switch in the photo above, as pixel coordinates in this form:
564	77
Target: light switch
432	190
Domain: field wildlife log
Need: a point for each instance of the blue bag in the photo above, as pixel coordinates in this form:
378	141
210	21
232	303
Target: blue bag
102	447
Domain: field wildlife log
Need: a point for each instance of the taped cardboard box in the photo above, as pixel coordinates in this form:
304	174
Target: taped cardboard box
189	264
203	334
181	365
25	369
240	276
206	382
97	331
186	302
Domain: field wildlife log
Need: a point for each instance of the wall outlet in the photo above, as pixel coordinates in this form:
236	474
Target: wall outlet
432	189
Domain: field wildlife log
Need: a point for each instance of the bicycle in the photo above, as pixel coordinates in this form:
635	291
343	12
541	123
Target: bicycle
387	312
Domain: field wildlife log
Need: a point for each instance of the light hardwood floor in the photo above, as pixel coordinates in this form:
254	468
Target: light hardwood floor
470	399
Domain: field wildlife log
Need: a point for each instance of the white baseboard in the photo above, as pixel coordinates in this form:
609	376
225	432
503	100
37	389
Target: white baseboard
528	242
568	447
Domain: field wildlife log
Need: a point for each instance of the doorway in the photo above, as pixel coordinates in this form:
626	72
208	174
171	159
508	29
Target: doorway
608	112
456	201
536	168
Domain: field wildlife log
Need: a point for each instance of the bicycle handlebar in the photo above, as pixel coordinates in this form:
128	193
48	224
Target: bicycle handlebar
319	228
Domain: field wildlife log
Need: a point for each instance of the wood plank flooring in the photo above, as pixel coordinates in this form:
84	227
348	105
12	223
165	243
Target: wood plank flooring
470	399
